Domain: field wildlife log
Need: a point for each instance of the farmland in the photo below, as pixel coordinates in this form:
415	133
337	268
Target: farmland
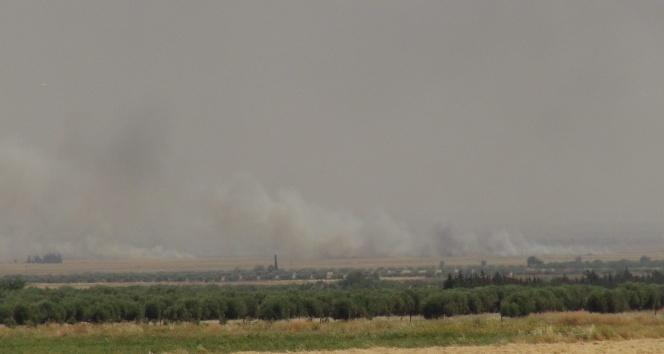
213	306
459	334
145	265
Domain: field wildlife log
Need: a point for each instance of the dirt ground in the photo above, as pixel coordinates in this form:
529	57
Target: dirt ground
640	346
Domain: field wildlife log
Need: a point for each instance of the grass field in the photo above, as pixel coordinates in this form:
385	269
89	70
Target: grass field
301	335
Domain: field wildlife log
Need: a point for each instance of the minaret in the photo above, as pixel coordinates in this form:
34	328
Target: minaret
276	266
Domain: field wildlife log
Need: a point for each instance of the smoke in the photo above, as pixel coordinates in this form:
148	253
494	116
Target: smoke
248	218
118	190
114	199
502	242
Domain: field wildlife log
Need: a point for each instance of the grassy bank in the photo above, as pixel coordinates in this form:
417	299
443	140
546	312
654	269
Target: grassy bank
305	335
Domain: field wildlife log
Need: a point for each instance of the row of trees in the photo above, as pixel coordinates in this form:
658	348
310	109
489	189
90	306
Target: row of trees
462	280
161	304
597	264
589	277
47	258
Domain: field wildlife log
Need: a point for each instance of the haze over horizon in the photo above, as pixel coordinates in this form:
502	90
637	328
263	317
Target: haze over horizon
330	128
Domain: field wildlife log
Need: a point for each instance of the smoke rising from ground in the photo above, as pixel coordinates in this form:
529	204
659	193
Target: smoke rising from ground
115	199
117	204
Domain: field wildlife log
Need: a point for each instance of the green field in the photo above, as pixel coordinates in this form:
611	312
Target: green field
297	335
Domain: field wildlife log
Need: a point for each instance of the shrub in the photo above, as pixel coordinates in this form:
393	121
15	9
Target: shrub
235	308
22	314
596	301
273	308
153	311
344	309
47	311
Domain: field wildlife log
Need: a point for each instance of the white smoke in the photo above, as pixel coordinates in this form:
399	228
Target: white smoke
117	202
502	242
49	204
249	219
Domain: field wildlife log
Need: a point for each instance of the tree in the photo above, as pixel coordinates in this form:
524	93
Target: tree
509	309
153	311
101	312
312	307
48	311
534	262
213	309
6	315
357	279
433	307
524	302
12	283
412	301
454	303
273	308
596	301
22	314
616	301
343	309
235	308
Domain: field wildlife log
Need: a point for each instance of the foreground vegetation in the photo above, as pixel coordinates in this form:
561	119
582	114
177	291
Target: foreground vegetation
313	335
357	296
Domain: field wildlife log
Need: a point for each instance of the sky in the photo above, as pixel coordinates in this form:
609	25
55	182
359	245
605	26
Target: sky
328	128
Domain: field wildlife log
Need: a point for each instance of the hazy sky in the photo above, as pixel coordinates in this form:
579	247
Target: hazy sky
518	113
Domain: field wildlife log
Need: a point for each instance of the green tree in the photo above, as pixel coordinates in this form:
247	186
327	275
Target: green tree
22	314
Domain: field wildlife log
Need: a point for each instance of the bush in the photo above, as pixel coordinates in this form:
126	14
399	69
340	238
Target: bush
433	307
153	311
344	309
518	304
312	308
510	309
12	283
193	303
48	311
100	312
596	301
235	308
6	315
22	314
273	308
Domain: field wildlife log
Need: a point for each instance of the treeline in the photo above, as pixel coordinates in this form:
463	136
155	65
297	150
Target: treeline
200	276
48	258
473	280
257	273
589	277
166	304
578	263
610	280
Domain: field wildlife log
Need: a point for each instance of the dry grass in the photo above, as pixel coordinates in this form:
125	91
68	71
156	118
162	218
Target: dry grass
186	283
181	283
545	333
548	327
641	346
201	264
71	266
